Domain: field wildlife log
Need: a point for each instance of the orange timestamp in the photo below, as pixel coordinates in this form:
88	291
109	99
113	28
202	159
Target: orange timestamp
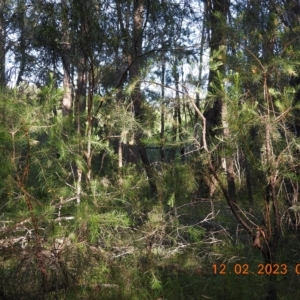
262	269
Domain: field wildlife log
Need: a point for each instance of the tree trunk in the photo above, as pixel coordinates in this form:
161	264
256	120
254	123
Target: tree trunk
248	181
65	55
81	92
229	158
217	13
136	63
2	46
162	111
176	109
121	73
21	24
216	8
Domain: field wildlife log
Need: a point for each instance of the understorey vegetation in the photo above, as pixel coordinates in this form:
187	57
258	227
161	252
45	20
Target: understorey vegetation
149	149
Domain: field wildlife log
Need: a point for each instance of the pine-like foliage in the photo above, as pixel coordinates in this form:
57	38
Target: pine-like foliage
103	235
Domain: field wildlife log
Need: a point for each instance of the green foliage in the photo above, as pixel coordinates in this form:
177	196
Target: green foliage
177	183
76	218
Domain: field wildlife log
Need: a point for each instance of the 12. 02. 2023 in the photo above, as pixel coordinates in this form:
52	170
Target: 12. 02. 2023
262	269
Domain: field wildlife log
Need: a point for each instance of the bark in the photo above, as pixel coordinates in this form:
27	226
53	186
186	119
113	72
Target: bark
200	70
89	152
21	24
217	39
248	182
121	66
135	62
229	158
177	121
67	98
2	45
176	109
216	115
66	51
120	154
81	92
162	111
180	130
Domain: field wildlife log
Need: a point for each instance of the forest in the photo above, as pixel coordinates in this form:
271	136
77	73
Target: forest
149	149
